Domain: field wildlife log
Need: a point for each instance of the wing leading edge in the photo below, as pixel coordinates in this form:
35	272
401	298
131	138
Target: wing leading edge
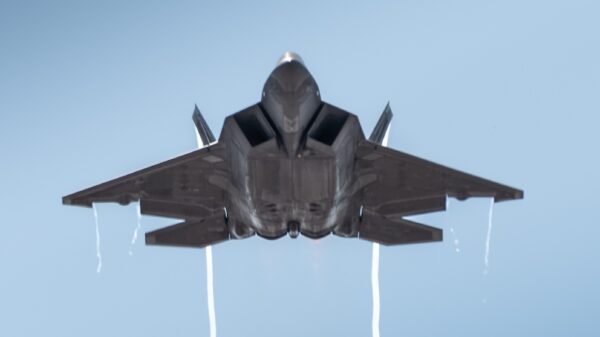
398	176
186	177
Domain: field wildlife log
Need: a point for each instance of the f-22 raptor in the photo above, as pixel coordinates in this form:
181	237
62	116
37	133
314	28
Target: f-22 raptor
292	164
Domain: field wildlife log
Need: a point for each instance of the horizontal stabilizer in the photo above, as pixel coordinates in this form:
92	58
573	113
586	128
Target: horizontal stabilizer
195	233
174	208
401	208
376	228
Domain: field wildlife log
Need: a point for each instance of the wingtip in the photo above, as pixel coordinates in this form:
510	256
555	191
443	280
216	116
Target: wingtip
519	194
66	200
512	195
70	200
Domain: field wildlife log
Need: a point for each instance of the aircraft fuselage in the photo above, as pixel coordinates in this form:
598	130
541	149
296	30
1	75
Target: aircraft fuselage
309	191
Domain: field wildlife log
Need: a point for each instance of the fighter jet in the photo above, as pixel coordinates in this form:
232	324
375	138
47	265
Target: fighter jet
292	164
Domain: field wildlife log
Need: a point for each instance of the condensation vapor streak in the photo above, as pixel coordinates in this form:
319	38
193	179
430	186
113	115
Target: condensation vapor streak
486	259
375	270
375	286
98	255
137	228
454	236
455	240
212	320
210	292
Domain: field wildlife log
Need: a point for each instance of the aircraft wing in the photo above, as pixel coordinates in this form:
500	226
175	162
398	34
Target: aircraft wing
398	184
190	186
394	184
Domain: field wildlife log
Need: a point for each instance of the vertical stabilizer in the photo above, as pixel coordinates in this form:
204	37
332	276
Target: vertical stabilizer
382	125
206	136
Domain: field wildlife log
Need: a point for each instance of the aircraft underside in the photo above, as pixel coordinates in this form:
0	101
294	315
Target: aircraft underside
292	164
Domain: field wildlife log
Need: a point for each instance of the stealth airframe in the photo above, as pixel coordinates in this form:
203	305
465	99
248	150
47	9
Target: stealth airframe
292	164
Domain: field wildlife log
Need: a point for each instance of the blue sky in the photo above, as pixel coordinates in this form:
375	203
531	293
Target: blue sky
507	90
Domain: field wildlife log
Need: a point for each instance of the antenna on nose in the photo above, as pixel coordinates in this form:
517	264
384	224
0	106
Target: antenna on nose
289	56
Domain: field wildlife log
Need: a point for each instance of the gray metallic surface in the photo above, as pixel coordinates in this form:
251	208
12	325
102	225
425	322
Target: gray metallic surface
292	164
206	136
290	99
386	224
382	125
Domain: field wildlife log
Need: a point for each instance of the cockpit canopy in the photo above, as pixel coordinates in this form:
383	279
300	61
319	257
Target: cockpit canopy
291	98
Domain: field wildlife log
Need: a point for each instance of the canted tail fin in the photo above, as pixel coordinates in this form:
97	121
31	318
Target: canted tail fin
204	134
382	125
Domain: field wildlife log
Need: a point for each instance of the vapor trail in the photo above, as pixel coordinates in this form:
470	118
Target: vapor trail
489	236
137	227
210	291
98	255
375	270
455	240
454	236
375	286
209	273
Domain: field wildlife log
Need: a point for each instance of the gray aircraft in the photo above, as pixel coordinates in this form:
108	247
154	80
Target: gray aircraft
292	164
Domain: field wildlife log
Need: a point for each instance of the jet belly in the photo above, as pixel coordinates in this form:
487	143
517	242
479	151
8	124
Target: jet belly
314	188
287	191
338	132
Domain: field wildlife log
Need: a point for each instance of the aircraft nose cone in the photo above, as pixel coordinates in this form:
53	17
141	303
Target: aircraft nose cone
289	56
291	97
290	72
